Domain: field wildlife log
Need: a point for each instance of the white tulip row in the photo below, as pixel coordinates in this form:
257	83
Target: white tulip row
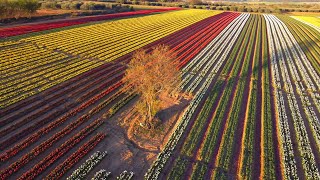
158	165
101	175
314	122
125	175
308	160
286	148
86	167
303	64
296	49
309	24
209	55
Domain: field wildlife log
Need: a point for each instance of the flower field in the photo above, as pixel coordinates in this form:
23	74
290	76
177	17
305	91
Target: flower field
254	113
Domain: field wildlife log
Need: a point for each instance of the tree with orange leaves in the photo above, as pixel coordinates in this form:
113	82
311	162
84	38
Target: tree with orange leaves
150	75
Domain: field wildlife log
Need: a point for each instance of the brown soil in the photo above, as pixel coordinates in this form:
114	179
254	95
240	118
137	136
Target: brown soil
144	145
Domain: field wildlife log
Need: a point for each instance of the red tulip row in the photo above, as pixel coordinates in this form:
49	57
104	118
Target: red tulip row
57	91
14	31
177	37
204	41
101	87
200	37
42	147
61	169
28	119
51	116
102	78
13	151
60	151
198	31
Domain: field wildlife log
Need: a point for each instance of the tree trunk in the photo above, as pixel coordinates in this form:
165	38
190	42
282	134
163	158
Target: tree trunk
149	113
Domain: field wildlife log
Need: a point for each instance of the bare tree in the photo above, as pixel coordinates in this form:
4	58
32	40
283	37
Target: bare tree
150	75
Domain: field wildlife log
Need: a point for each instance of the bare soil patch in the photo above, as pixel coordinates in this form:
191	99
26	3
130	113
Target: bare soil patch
136	152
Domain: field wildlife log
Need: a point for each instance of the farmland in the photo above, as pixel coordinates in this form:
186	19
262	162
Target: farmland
254	111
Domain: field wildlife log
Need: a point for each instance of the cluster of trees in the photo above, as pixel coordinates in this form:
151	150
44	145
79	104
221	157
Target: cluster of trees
17	8
227	6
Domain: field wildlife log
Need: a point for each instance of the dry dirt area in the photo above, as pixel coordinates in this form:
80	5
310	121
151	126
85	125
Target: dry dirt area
138	152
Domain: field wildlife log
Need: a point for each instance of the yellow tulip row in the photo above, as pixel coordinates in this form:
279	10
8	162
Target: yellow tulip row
309	19
40	82
110	39
34	73
30	64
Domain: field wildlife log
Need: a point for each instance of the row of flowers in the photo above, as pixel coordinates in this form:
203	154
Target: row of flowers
214	30
305	68
86	167
101	175
57	102
286	146
60	151
26	120
132	35
7	32
52	156
158	165
125	175
67	164
52	92
30	74
308	159
14	150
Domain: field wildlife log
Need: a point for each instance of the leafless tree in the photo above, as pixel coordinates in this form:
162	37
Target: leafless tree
150	75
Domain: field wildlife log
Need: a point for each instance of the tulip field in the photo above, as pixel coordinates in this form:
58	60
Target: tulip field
254	113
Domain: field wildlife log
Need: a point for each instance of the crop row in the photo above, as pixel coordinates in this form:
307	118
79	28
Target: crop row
57	103
101	175
87	166
7	32
88	41
51	157
314	22
17	148
301	134
162	158
61	169
137	34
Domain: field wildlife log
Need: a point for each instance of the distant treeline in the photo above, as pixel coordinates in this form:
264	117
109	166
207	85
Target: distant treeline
17	8
227	6
82	5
